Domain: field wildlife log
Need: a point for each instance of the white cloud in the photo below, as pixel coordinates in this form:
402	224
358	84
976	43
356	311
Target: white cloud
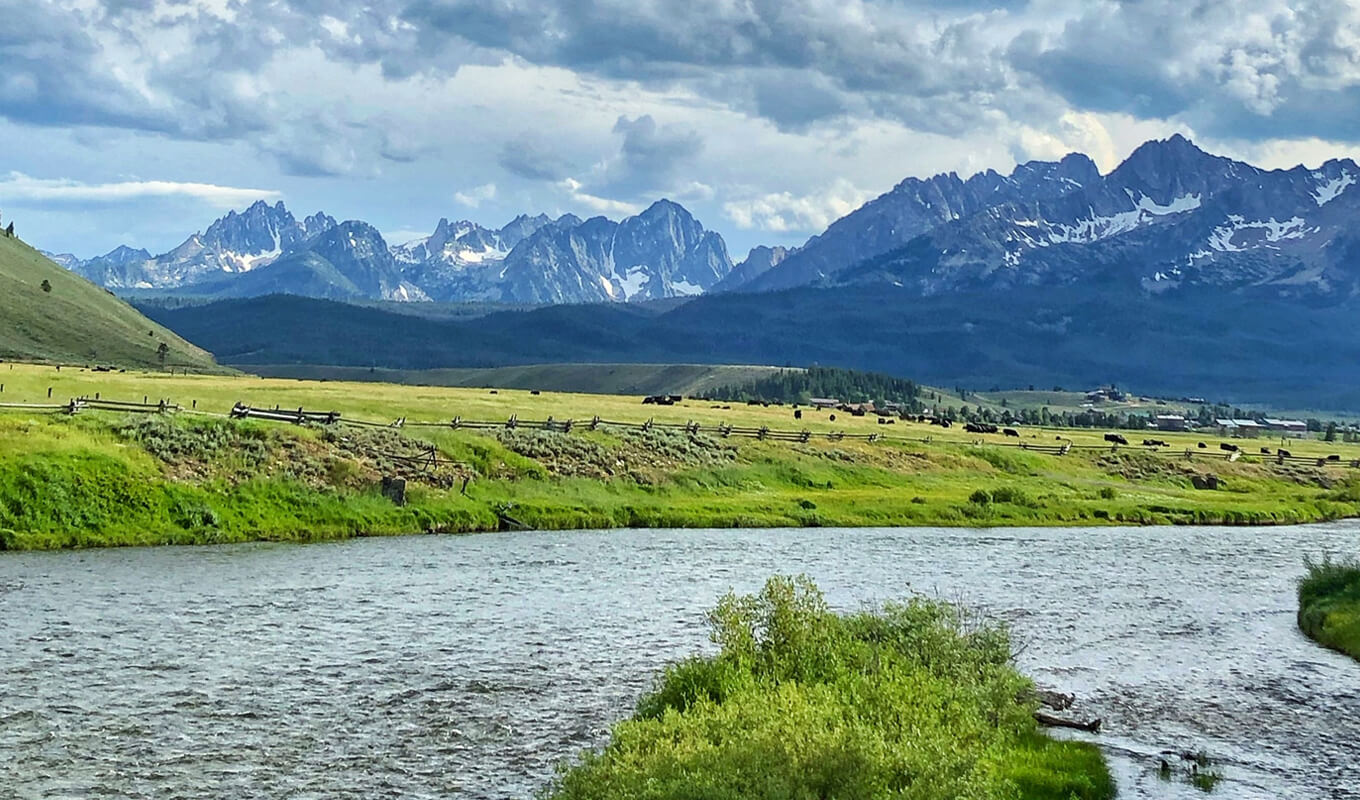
18	186
475	196
784	212
600	205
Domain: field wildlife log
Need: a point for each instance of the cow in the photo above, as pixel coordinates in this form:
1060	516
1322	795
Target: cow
535	392
1154	443
1333	457
1012	432
1231	448
798	413
1284	453
1203	446
1265	451
1115	438
979	427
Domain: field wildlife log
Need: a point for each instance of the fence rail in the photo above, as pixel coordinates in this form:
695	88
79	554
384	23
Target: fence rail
303	416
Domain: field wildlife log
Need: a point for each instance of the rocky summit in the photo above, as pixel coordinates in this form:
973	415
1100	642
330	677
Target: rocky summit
1170	217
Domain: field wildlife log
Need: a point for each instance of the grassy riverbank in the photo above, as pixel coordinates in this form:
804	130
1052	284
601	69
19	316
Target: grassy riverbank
1329	605
102	478
912	700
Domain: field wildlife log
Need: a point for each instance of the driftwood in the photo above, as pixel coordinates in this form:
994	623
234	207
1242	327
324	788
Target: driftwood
1092	726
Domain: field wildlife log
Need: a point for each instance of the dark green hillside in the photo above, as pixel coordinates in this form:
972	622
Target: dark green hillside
1224	346
51	314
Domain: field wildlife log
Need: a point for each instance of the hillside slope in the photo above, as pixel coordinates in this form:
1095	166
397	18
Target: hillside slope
76	321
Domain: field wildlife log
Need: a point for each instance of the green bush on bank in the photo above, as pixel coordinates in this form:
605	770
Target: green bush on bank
913	700
1329	604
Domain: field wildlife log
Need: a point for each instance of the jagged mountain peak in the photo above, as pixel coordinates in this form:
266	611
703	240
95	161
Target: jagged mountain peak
123	255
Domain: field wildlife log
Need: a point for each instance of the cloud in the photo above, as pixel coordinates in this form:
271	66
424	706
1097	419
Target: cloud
17	186
475	196
600	205
783	212
1277	68
530	159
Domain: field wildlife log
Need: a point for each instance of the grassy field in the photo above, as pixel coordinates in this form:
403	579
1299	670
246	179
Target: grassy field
1329	605
74	321
630	379
912	700
101	478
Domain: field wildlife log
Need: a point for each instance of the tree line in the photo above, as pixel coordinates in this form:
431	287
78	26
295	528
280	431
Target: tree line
800	386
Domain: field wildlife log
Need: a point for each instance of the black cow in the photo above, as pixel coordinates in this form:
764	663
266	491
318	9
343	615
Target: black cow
1265	451
1154	443
1012	432
1115	438
1231	448
1285	453
798	413
1203	446
1333	458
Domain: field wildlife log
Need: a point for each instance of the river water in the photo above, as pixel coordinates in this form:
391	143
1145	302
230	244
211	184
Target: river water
470	666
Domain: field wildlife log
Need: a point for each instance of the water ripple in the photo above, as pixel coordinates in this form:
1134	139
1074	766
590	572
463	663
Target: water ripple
472	666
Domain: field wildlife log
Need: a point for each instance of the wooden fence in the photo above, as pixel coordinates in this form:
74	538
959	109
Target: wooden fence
302	416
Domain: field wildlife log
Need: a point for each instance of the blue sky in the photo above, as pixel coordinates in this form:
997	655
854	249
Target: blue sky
140	121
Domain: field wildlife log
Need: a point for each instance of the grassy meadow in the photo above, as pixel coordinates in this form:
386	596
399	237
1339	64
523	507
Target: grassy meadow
910	700
105	478
1329	605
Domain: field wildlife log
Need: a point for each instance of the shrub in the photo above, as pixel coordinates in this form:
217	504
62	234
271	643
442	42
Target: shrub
980	497
915	699
1108	493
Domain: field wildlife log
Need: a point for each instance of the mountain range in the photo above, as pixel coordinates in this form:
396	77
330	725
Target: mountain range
1170	217
662	252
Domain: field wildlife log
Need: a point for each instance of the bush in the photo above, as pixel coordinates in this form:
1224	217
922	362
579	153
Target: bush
1108	493
1329	604
1013	495
980	497
915	699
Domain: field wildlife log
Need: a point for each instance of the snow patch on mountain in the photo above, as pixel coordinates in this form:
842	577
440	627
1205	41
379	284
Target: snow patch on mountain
1332	187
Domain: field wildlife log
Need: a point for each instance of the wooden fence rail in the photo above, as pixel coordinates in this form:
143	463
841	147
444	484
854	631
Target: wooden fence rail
302	416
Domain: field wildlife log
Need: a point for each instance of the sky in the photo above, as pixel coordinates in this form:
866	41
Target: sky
138	122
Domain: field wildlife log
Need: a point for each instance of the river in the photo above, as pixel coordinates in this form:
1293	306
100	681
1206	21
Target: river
469	666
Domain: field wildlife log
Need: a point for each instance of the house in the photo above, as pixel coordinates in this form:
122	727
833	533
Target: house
1242	428
1287	427
823	402
857	409
1170	422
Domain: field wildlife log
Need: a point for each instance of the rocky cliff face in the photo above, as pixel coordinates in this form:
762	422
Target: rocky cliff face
1169	217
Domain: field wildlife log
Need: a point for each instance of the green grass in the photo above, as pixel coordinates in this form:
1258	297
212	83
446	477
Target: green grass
1329	605
912	700
102	478
76	321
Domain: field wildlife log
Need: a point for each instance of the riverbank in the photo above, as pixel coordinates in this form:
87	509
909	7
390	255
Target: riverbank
1329	605
106	479
915	699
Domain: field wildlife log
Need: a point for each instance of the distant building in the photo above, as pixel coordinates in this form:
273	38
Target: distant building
1244	428
1170	422
823	402
1287	427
